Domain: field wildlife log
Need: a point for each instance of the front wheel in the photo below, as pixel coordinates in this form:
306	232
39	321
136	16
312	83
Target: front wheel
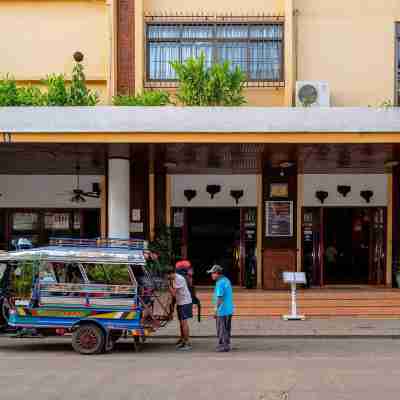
88	339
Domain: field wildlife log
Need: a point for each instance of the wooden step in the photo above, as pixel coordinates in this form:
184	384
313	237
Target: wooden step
374	303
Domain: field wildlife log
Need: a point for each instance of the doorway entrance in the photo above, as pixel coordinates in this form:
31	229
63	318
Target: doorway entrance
344	246
214	238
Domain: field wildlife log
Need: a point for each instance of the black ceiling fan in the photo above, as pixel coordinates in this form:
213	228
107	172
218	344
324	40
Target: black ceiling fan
78	195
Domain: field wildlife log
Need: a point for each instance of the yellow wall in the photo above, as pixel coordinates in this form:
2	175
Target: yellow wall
255	96
39	38
210	7
351	45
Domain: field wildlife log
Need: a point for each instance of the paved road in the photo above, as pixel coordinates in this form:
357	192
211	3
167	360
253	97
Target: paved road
258	369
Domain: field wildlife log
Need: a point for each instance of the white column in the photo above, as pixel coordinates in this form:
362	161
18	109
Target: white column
118	198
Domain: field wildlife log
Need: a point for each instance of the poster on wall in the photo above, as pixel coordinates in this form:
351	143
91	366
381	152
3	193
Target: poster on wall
279	190
25	221
56	221
279	218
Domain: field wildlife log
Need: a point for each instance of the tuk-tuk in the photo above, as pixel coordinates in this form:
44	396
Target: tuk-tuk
97	290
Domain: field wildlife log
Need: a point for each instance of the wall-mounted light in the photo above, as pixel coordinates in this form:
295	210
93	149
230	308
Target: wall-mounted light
366	195
190	194
237	194
321	195
344	190
212	190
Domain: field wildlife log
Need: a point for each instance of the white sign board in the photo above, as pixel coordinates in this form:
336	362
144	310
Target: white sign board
294	277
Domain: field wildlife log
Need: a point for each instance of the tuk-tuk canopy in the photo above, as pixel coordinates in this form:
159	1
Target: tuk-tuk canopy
78	251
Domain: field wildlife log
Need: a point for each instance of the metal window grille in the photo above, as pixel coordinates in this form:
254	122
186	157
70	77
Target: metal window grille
257	47
397	71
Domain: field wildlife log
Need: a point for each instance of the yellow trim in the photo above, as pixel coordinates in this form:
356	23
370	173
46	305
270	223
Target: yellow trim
112	49
241	137
260	219
103	210
168	199
139	45
289	53
300	201
389	230
152	218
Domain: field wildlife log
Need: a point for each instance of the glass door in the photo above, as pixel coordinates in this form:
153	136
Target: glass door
377	265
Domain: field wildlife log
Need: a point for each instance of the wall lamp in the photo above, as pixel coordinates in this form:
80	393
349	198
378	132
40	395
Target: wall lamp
212	190
190	194
321	195
344	190
237	194
366	195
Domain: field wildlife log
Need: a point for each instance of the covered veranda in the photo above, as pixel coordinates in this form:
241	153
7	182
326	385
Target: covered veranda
144	159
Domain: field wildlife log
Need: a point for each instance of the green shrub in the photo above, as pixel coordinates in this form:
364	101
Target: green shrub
79	94
57	91
199	85
148	98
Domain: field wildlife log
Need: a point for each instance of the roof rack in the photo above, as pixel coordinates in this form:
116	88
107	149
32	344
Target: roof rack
132	244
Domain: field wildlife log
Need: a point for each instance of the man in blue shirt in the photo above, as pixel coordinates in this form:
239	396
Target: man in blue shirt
223	301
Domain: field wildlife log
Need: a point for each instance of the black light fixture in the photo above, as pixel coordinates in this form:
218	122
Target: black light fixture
237	194
344	190
212	190
190	194
366	195
96	188
321	195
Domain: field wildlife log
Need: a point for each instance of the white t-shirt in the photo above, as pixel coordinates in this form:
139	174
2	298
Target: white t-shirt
182	291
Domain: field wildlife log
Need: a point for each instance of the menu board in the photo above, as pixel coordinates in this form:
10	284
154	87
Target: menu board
279	218
56	221
25	221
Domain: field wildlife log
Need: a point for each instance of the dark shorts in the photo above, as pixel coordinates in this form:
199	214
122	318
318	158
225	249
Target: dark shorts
185	312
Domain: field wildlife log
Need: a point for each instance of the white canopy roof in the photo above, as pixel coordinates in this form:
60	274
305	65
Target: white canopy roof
197	119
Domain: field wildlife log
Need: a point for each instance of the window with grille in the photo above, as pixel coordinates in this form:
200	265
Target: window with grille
257	48
397	64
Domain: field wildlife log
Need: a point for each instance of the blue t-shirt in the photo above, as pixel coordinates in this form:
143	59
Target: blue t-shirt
223	290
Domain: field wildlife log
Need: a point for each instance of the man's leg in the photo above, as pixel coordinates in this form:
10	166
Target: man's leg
185	331
220	332
229	330
226	338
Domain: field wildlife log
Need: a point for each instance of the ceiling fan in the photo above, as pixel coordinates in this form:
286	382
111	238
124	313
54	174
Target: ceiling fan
78	195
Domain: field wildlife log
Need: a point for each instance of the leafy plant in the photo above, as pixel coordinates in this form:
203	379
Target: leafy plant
166	246
57	92
79	94
200	85
12	95
147	98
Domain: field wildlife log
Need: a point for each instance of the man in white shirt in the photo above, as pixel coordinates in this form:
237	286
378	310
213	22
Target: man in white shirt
180	291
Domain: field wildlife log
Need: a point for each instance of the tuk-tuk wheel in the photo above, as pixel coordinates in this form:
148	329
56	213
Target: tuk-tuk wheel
4	313
88	339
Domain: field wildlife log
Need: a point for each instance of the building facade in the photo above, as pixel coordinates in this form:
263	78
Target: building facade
282	188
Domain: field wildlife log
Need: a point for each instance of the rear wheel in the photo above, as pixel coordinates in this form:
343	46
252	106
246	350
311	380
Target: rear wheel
88	339
4	313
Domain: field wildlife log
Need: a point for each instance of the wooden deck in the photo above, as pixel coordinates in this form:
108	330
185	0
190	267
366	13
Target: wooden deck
363	302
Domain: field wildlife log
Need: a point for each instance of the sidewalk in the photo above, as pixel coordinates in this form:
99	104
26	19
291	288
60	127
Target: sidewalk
329	328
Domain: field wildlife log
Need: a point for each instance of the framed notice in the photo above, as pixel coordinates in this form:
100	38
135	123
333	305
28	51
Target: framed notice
279	190
56	221
25	221
279	218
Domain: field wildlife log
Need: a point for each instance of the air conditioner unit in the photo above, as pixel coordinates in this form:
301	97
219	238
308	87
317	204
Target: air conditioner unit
312	94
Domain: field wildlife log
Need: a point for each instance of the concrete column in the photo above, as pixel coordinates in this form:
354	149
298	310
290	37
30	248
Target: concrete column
119	193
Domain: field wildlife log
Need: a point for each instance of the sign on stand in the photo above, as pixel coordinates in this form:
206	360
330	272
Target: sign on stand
293	278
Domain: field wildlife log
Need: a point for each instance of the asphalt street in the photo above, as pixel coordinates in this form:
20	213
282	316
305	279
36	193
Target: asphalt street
257	369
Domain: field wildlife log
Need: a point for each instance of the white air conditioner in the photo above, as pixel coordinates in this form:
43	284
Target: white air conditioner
312	94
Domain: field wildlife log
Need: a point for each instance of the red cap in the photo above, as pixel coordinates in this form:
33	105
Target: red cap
183	264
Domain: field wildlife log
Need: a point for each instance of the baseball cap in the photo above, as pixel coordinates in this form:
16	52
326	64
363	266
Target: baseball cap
215	269
183	264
